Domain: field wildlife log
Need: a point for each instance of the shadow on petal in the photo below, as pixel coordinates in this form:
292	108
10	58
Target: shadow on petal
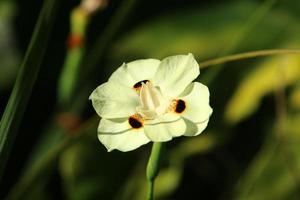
194	129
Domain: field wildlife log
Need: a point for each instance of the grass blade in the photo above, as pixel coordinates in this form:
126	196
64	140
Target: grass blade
25	80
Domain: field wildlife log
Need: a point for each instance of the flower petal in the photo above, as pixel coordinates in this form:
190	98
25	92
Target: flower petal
113	100
164	128
196	97
117	134
175	73
194	129
135	71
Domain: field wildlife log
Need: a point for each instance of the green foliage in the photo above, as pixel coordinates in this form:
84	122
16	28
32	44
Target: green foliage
69	76
265	78
171	172
25	81
205	35
273	174
71	68
294	98
9	56
87	171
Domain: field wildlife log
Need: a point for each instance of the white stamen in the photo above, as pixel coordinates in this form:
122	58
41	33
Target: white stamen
152	102
149	96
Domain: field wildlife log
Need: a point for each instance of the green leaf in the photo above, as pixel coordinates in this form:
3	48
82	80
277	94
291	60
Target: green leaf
203	32
264	79
45	156
9	56
89	172
271	175
294	98
25	80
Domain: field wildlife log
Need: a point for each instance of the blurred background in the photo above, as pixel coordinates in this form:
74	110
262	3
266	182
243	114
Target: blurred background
251	148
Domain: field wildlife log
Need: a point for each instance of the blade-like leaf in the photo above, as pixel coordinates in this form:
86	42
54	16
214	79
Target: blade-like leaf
260	82
25	80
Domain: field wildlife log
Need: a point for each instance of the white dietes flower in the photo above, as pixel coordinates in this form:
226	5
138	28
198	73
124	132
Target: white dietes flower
151	100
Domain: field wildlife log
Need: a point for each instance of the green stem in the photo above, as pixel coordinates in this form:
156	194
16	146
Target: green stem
153	167
246	55
150	188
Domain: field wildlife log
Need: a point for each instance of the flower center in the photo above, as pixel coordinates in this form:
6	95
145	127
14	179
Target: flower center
153	103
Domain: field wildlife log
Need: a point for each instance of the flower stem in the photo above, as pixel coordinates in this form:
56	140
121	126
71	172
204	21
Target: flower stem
246	55
153	167
150	188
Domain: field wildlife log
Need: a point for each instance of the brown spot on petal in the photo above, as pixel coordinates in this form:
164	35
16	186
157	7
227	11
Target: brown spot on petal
180	106
138	85
135	121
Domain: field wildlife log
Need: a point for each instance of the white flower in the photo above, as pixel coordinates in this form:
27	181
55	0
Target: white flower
151	100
